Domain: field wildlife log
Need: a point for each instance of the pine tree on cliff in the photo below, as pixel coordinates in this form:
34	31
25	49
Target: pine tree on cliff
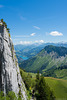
43	90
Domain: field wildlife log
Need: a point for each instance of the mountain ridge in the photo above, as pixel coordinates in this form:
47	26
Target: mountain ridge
45	61
32	50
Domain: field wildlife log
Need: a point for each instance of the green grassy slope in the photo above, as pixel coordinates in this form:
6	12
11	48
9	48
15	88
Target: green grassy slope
58	86
48	62
60	72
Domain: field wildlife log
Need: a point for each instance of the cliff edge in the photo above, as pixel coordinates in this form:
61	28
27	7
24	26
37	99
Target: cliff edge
10	79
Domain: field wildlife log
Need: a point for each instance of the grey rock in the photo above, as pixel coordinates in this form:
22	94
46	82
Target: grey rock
10	79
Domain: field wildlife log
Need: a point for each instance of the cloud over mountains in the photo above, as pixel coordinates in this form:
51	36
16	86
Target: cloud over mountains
56	33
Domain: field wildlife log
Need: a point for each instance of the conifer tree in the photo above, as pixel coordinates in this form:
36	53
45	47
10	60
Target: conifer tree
43	90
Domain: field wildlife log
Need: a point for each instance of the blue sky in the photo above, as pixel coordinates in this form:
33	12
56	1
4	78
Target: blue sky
35	21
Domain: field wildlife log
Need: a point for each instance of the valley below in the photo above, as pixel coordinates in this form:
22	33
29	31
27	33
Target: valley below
51	62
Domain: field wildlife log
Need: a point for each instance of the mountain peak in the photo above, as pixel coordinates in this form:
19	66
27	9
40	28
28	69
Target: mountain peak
61	51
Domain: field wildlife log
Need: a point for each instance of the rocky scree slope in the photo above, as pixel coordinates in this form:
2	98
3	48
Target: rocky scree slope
10	79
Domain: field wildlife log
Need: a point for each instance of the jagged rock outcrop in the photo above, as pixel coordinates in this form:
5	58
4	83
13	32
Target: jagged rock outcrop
10	79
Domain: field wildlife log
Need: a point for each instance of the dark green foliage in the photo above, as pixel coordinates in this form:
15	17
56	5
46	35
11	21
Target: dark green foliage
37	76
1	20
4	23
28	80
8	30
10	96
1	95
50	72
43	90
37	80
19	95
60	72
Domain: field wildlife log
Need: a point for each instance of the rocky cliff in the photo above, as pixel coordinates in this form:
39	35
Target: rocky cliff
10	79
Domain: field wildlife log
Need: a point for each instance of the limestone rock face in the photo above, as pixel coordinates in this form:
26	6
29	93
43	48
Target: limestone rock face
10	79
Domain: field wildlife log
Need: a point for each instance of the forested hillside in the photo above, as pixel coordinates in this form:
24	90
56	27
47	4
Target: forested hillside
48	61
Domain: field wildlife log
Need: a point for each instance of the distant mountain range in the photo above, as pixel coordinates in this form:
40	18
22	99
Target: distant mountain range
19	47
50	61
28	51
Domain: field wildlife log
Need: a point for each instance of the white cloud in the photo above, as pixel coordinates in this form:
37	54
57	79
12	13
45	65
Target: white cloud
1	6
39	41
37	27
36	41
24	36
56	33
32	34
31	42
25	42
